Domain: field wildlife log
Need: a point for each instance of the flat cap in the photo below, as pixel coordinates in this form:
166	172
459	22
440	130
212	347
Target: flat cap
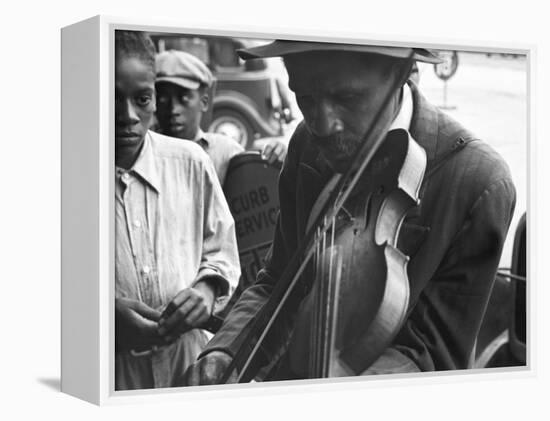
183	69
281	48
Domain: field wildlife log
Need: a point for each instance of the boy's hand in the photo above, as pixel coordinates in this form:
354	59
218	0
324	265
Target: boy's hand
135	325
190	308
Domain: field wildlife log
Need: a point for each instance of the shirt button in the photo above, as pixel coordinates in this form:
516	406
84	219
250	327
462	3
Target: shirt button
137	223
146	269
126	176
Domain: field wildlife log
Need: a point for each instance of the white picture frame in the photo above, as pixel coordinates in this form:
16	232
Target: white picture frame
88	208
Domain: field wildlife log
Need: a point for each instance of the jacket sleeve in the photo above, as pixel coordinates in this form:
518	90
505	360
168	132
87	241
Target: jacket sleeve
220	255
441	329
240	319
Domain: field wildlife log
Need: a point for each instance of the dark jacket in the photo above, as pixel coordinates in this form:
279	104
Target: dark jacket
454	239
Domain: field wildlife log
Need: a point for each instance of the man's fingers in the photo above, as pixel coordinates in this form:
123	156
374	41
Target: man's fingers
266	152
192	311
233	378
134	318
274	151
281	152
140	332
272	158
146	311
177	317
176	302
277	150
208	370
198	315
151	335
127	306
212	371
192	376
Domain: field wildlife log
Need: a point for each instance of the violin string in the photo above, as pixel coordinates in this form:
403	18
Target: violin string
314	320
330	303
335	301
322	306
319	329
315	316
324	309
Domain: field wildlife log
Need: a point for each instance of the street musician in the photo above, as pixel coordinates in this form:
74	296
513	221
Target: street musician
453	236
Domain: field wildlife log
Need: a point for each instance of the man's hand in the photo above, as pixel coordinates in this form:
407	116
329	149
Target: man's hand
274	150
190	308
208	370
136	325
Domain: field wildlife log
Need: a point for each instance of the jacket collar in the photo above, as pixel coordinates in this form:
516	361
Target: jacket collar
425	123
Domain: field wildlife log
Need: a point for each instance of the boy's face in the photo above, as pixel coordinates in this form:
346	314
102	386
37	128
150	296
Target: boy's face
179	110
134	104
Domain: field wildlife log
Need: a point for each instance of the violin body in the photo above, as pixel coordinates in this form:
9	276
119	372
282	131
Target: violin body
359	297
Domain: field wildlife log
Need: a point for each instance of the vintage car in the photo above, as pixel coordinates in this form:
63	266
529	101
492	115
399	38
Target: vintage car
503	335
250	100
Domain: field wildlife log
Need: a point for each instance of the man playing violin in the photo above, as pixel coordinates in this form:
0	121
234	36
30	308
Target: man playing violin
453	238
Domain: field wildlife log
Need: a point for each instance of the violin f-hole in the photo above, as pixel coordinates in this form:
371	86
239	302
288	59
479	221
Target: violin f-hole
366	212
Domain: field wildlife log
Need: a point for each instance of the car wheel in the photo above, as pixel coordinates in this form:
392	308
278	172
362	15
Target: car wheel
232	124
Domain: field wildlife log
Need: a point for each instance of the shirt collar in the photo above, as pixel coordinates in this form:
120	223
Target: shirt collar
404	117
201	138
145	166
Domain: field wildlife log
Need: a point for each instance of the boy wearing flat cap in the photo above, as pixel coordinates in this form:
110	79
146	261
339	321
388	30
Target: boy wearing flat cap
454	237
182	97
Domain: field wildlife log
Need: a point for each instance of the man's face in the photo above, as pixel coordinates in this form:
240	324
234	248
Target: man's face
134	104
339	93
179	110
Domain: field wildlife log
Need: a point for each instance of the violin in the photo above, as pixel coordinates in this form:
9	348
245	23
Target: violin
360	293
359	296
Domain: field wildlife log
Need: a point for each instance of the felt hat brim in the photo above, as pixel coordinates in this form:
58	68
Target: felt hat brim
281	48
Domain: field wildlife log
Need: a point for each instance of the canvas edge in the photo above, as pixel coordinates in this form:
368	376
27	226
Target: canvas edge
107	395
80	366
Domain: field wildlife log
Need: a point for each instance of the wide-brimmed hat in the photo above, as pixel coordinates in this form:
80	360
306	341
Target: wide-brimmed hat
183	69
281	48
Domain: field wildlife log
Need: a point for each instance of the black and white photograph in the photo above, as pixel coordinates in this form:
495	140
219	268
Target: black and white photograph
295	210
276	211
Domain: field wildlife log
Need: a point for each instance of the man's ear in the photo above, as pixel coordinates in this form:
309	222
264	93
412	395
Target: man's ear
205	101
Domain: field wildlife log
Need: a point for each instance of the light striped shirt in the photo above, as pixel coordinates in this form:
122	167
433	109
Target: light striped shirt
173	228
220	149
